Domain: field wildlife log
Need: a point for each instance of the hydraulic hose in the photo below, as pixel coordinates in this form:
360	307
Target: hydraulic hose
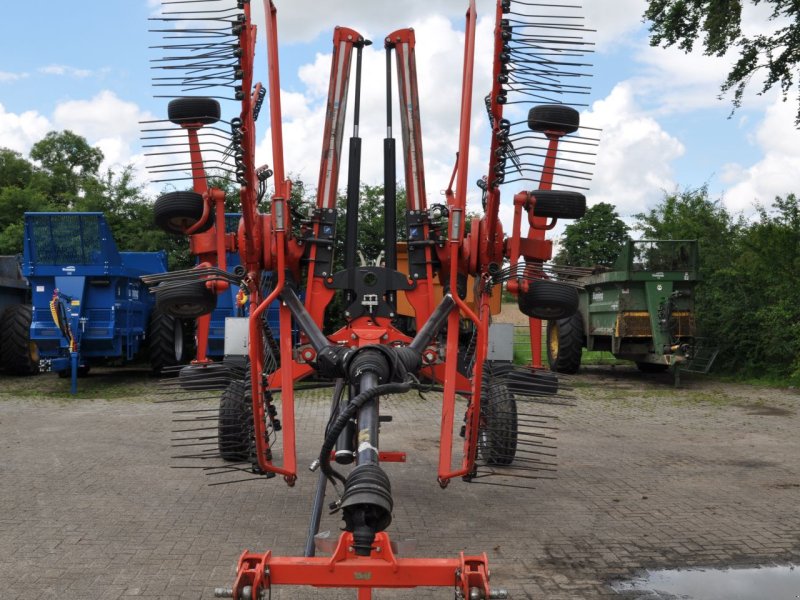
345	415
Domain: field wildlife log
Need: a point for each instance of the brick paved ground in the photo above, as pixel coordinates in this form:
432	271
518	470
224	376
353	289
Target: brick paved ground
708	475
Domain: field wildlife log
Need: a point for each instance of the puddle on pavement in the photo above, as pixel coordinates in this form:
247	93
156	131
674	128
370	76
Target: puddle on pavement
775	583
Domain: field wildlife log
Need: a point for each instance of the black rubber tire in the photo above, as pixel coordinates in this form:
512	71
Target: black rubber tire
167	341
189	110
235	422
497	436
187	300
19	356
554	117
548	300
646	367
175	212
210	376
559	204
565	340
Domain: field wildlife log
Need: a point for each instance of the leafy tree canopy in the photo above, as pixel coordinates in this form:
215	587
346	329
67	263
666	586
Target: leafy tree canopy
595	239
748	304
717	25
69	163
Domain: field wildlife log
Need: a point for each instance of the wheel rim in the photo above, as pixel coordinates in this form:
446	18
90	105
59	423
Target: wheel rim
552	340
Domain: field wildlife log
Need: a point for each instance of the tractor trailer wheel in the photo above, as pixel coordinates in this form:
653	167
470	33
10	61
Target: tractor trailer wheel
559	204
193	111
18	353
497	435
175	212
565	344
554	117
234	425
167	341
185	300
548	300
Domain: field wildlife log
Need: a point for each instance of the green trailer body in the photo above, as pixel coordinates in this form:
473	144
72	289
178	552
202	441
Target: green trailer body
640	310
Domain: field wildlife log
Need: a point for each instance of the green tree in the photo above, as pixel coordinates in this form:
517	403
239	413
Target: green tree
748	303
595	239
691	215
15	171
717	23
769	270
69	164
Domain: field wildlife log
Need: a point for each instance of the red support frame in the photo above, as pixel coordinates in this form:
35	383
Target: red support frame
266	242
344	569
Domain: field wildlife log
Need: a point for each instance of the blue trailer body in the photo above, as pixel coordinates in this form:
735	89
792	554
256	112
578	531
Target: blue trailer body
75	271
227	302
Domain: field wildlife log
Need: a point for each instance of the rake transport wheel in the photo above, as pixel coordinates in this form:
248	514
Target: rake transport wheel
175	212
186	300
565	344
194	111
546	299
235	414
554	117
559	204
167	336
18	354
497	435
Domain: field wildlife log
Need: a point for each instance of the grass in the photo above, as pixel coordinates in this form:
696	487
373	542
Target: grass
130	383
770	381
523	354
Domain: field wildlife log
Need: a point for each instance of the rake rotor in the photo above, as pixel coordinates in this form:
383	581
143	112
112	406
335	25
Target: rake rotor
539	56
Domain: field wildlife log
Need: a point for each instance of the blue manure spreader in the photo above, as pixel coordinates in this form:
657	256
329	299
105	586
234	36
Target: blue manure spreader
89	305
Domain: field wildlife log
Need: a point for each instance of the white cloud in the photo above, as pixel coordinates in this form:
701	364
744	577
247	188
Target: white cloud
7	77
633	161
106	121
64	70
775	173
20	131
613	20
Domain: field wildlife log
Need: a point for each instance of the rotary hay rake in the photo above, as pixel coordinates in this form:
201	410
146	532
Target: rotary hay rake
539	57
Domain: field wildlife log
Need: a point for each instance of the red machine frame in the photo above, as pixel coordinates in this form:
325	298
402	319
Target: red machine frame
266	243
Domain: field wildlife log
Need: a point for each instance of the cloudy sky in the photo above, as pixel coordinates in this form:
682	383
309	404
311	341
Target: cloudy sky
84	66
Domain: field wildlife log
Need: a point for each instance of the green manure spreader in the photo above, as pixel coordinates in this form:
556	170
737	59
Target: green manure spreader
640	310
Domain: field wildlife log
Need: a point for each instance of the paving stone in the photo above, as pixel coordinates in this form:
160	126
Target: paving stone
91	508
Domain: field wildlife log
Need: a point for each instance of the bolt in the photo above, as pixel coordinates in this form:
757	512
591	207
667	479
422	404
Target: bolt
353	336
324	273
385	336
223	593
314	465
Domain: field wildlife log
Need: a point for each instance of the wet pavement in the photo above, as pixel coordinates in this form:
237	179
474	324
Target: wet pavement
775	583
